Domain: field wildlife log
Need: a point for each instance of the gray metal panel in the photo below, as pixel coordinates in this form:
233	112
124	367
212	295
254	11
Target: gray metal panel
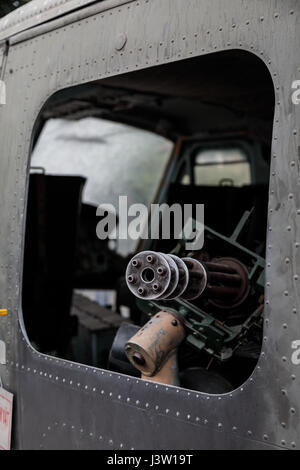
90	408
41	12
36	12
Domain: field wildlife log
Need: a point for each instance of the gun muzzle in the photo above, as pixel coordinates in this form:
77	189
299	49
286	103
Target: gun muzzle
158	276
153	349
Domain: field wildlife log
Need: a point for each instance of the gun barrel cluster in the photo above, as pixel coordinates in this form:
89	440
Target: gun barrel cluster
157	276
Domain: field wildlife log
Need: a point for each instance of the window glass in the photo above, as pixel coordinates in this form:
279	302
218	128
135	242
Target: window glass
115	159
227	166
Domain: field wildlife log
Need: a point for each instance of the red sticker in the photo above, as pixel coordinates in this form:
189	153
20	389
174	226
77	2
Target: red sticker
6	404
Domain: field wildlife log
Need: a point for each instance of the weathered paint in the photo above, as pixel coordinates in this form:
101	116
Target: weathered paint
64	405
156	343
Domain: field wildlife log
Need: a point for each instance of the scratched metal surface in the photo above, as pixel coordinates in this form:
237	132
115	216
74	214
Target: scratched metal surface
59	404
41	12
37	12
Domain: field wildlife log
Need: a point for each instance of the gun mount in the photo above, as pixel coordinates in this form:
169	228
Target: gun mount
192	290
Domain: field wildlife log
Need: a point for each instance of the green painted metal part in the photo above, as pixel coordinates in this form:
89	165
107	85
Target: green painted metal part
204	331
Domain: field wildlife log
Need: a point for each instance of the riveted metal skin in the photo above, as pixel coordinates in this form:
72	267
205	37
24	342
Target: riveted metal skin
38	12
62	405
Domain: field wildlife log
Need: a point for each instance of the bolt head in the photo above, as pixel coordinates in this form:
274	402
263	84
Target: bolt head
120	41
161	270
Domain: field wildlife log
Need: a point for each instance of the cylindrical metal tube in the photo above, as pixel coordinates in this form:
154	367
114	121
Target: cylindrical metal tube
217	267
228	279
222	292
157	276
228	284
155	344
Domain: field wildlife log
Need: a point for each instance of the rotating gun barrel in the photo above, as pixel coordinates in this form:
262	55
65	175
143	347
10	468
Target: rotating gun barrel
158	276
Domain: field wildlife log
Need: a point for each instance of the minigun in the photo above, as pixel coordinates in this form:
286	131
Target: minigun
168	288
